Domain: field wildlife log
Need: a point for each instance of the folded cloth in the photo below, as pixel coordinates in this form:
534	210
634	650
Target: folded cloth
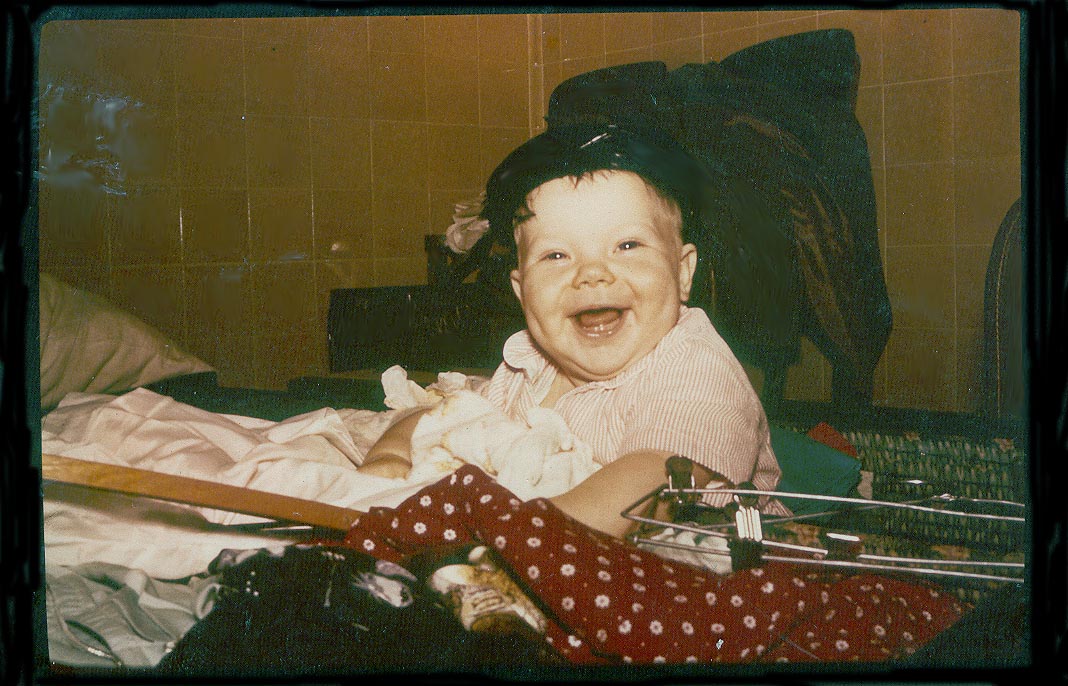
607	601
102	615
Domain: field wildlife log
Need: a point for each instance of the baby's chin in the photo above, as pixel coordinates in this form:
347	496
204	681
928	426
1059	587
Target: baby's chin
600	355
586	371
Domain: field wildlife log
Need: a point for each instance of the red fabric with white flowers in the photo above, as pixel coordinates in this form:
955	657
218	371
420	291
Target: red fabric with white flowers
611	602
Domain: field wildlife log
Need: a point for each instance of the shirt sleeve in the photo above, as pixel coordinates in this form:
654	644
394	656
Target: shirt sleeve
704	408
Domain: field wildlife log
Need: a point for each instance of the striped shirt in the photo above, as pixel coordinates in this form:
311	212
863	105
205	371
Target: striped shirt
689	396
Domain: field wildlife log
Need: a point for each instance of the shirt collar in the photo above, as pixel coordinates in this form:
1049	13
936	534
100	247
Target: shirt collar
521	354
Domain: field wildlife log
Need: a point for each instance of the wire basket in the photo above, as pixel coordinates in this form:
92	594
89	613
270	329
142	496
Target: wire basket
906	467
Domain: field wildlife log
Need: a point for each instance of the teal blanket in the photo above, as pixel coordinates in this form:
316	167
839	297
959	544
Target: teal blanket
809	466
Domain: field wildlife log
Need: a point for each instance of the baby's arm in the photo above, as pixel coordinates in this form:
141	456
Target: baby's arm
391	455
598	501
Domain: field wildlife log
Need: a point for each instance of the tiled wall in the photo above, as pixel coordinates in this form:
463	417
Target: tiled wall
254	164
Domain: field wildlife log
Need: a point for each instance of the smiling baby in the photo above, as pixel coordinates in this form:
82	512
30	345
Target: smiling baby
603	276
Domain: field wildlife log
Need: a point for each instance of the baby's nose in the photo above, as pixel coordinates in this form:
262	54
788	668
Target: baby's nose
593	273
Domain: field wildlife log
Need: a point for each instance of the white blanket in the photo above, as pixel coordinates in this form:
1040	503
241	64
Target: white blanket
312	456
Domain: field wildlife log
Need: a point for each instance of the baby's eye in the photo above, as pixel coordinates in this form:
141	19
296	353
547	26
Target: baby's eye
629	245
555	255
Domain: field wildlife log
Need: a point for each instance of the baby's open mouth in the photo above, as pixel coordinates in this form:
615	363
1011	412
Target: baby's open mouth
601	321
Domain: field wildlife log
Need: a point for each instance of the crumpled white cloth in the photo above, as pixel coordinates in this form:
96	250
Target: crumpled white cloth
539	459
699	550
312	456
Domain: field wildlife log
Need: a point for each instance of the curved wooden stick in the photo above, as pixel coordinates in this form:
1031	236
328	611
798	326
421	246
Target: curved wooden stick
182	489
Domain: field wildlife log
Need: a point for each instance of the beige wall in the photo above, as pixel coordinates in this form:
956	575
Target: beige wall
277	159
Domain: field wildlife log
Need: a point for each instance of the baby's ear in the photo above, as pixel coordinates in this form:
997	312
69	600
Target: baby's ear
517	284
687	267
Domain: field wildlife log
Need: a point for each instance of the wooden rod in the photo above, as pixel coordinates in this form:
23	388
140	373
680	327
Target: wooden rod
182	489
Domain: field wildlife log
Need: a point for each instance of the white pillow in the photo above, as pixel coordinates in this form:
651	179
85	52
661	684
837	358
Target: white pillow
88	345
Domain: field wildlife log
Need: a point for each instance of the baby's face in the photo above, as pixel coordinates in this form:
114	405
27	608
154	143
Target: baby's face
601	273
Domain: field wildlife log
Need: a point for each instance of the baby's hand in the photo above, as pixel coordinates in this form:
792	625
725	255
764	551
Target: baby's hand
387	466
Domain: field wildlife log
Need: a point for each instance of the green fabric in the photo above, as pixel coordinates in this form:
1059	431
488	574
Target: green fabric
809	466
303	395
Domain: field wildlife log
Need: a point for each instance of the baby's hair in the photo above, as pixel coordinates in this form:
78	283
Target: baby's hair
668	204
579	152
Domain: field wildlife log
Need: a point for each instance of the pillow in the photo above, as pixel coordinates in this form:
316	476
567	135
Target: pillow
809	466
89	345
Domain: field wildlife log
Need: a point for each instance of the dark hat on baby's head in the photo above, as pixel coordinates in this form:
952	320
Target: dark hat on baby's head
576	150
